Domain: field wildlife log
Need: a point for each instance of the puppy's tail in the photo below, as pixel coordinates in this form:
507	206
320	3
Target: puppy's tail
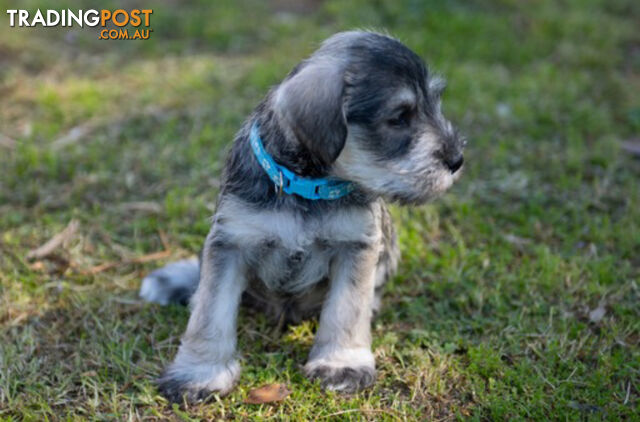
174	283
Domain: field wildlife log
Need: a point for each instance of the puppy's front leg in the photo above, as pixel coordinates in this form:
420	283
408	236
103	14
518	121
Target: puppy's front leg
341	355
206	359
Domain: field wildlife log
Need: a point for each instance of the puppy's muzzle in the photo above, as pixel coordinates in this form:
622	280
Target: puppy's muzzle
454	163
452	152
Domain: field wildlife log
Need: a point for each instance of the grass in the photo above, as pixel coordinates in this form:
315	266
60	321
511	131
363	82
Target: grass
517	296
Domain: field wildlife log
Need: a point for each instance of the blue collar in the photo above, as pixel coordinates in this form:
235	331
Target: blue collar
288	182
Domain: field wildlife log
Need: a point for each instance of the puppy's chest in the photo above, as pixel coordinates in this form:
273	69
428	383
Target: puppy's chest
291	269
289	252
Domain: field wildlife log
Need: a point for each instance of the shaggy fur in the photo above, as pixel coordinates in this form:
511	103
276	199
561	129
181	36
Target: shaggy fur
362	108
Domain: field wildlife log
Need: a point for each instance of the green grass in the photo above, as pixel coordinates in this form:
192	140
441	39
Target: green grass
489	317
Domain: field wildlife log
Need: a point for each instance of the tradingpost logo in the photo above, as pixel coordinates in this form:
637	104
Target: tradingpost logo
118	24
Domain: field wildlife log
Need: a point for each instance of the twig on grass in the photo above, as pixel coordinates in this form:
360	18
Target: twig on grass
139	260
83	130
55	242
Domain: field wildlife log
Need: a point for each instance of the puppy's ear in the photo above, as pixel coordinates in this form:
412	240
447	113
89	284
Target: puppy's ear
437	85
311	103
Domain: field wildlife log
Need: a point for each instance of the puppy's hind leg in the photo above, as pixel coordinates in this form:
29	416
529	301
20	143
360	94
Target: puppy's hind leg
173	283
388	259
206	360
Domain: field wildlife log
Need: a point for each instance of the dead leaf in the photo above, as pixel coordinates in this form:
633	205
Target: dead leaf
267	394
597	314
37	266
55	242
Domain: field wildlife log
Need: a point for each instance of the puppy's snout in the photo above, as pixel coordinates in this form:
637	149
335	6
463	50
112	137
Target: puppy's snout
455	162
453	148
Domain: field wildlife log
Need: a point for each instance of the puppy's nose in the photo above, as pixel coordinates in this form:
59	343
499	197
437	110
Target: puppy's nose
454	163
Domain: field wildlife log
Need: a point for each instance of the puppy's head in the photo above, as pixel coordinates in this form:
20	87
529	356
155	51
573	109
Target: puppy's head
365	106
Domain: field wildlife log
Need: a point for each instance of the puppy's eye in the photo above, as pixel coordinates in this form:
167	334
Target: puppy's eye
402	119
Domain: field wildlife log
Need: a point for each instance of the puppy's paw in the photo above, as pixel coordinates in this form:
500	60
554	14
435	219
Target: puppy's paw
173	283
344	371
345	379
197	383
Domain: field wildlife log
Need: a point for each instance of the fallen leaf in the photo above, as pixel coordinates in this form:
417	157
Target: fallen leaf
267	394
37	266
55	242
597	314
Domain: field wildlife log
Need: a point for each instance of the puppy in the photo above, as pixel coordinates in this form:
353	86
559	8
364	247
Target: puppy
301	228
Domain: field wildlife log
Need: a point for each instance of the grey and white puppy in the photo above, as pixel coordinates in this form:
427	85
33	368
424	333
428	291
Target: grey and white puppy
363	108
